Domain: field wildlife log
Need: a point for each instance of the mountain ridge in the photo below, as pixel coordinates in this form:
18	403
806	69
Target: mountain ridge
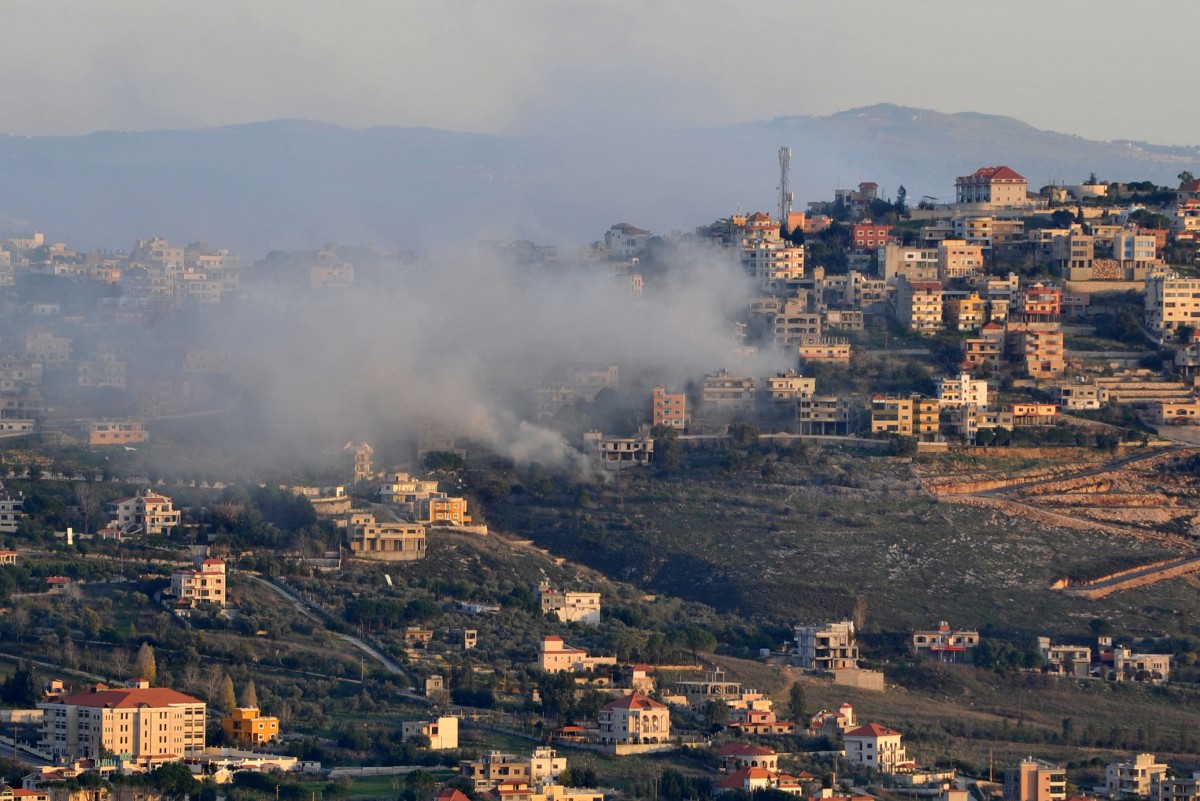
297	183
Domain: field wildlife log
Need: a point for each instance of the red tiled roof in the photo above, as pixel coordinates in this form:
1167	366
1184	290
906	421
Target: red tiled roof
128	697
997	174
634	701
1191	186
451	794
871	730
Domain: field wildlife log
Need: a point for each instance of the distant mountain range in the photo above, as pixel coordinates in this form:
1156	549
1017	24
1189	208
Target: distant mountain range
295	184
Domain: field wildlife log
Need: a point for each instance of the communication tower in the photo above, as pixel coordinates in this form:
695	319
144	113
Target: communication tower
785	192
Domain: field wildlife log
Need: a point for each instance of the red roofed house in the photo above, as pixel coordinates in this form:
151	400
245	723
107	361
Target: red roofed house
15	794
992	186
635	719
151	725
8	557
744	755
876	747
761	721
451	794
751	779
203	585
144	514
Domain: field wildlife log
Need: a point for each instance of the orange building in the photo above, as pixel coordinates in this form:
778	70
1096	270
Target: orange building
669	409
248	726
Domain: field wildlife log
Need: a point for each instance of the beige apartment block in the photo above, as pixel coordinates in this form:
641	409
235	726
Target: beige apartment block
205	584
152	725
830	646
442	732
1172	303
1035	780
919	305
385	541
958	259
876	747
635	719
150	513
570	606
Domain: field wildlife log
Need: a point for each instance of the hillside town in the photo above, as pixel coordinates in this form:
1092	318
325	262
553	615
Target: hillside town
398	619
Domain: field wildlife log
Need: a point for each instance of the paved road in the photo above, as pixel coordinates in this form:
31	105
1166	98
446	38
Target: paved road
318	617
7	752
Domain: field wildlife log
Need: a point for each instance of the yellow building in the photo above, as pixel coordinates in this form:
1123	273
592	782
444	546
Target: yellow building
440	509
913	416
965	313
248	726
919	305
957	259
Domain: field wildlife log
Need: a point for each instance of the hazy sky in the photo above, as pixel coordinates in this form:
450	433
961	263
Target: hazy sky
1102	69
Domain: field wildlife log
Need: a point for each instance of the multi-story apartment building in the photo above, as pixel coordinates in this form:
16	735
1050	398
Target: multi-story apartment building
1034	780
385	541
1040	351
635	719
626	241
1069	659
1039	303
919	305
944	643
914	416
1074	254
246	725
915	264
825	349
823	414
876	747
992	187
954	392
1136	253
12	512
986	350
114	432
404	490
958	259
570	606
1082	394
1180	789
494	767
866	237
831	646
785	389
669	409
722	390
205	584
440	509
1136	779
965	312
150	513
793	324
1172	303
150	725
106	370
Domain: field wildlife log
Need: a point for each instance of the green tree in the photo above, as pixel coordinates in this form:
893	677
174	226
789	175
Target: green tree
901	204
796	702
668	450
1186	177
146	667
226	700
716	713
23	688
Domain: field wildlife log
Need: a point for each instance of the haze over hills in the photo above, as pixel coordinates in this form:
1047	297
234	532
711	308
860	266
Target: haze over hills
286	184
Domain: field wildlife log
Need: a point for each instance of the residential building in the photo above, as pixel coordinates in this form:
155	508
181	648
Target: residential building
402	489
246	725
626	241
823	414
759	722
724	391
1136	779
986	350
830	646
919	305
635	719
1073	254
570	606
1172	303
386	541
442	732
103	371
1137	253
785	389
8	557
1127	665
494	767
965	312
205	584
944	643
12	512
1034	780
555	656
913	263
43	345
1032	414
752	780
1082	394
735	756
992	187
669	409
619	452
868	237
440	509
833	723
149	725
793	324
360	454
713	687
958	259
1039	303
955	392
914	416
114	432
825	349
1071	660
150	513
1179	789
1040	351
877	747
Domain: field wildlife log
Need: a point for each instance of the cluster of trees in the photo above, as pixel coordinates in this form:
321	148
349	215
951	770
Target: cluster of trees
23	688
1002	656
387	613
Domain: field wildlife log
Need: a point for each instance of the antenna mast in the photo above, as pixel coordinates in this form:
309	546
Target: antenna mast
785	192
